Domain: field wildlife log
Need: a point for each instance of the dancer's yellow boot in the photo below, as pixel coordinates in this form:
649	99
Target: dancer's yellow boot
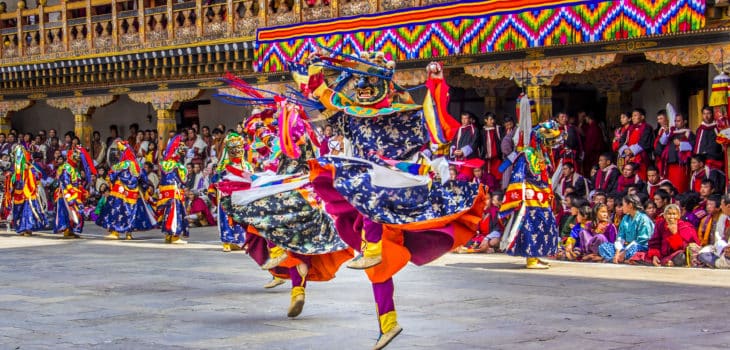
536	264
68	234
178	240
277	255
372	255
276	281
128	237
390	329
226	247
112	235
297	302
168	239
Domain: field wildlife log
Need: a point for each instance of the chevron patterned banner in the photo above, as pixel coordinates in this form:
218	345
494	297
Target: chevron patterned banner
476	27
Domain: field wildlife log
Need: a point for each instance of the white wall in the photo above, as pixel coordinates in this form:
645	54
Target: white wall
123	113
654	96
218	112
42	116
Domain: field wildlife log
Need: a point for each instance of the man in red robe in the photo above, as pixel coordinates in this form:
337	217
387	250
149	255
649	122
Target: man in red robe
676	151
593	145
466	143
706	143
606	179
572	148
654	181
701	172
662	133
628	177
569	178
491	142
638	142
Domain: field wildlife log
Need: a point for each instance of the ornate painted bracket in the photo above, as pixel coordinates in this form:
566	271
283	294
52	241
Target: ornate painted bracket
692	55
167	100
540	72
410	77
6	110
81	105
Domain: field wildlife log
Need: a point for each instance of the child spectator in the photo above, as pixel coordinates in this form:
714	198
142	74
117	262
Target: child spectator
597	232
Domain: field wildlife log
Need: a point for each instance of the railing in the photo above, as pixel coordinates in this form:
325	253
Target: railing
78	28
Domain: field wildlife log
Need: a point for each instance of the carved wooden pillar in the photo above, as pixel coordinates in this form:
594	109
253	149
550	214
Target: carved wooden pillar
6	112
696	102
82	107
543	97
490	103
165	103
613	107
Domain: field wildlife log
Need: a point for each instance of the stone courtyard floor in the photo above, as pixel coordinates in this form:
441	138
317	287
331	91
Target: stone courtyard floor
143	294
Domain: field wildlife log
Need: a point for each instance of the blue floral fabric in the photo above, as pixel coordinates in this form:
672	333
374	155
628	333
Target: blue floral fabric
290	220
397	136
387	205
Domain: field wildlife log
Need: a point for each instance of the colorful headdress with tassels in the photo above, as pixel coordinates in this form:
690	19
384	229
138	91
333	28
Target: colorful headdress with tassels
173	149
21	162
291	118
128	160
80	155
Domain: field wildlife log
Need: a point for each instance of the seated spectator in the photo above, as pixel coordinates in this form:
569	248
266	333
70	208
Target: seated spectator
651	211
490	228
669	242
104	190
661	200
598	197
600	230
569	177
716	255
633	233
198	212
570	250
707	225
629	177
691	211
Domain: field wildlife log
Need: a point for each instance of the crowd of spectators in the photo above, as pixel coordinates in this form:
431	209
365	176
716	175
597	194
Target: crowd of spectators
639	195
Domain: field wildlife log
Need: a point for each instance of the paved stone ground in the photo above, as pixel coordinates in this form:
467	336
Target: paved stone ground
95	294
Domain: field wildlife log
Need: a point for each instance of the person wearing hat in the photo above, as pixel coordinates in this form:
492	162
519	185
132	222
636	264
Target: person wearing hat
70	194
172	200
21	194
125	211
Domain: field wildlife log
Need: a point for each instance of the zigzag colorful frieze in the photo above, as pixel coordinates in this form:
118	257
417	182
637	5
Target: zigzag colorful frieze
476	27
